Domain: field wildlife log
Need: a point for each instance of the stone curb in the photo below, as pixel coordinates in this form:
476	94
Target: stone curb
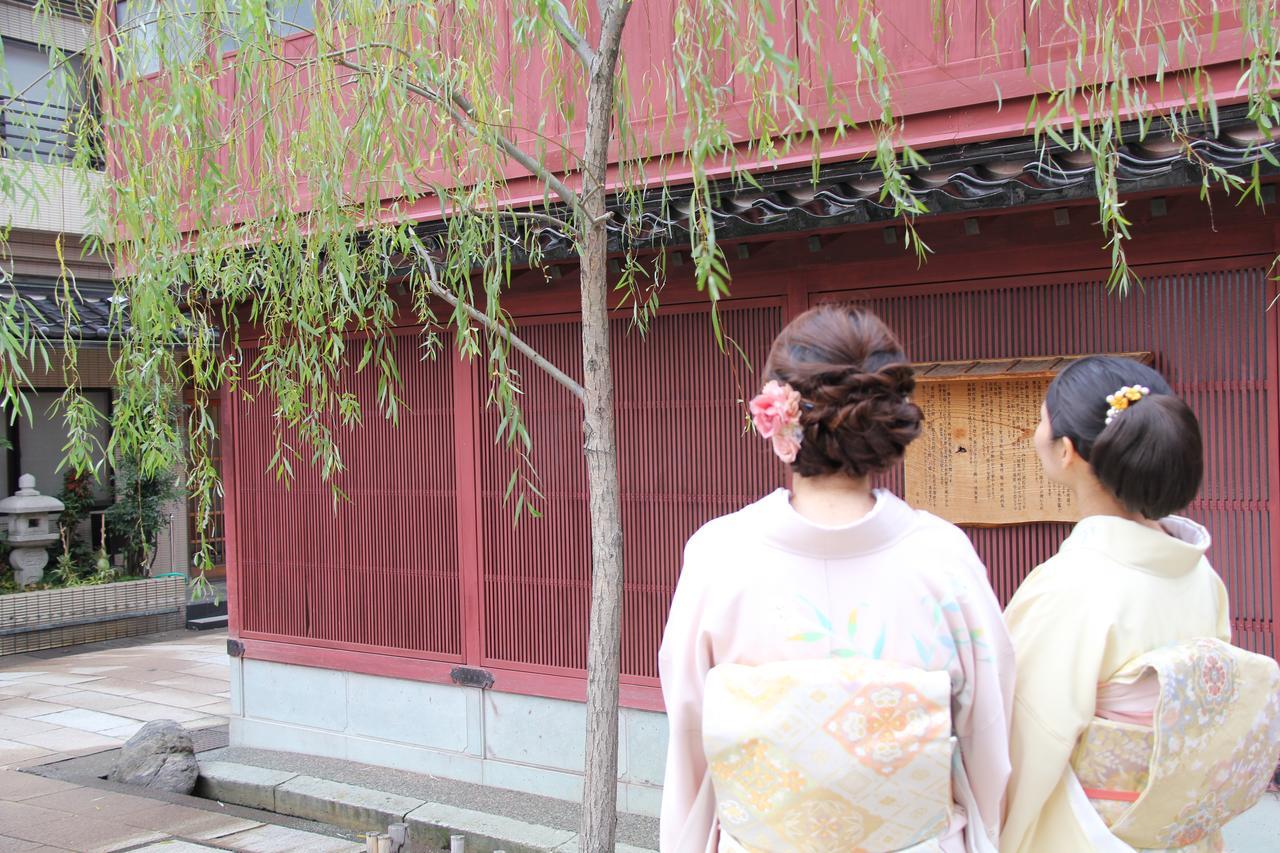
343	805
354	807
240	784
431	824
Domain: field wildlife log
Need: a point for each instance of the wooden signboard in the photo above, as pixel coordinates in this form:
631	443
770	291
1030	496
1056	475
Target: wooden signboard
974	462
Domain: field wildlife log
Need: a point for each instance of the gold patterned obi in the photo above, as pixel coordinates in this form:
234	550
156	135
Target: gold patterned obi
842	754
1211	749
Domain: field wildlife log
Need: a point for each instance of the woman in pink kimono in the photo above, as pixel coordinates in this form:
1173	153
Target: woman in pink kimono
835	669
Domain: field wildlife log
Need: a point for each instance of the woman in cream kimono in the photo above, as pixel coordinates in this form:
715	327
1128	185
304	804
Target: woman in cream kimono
835	669
1135	724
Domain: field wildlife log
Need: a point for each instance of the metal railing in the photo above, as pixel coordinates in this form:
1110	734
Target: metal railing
38	131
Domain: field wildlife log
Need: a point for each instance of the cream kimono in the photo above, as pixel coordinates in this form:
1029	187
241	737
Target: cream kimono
823	657
1119	605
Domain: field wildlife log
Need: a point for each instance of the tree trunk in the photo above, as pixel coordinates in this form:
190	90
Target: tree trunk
600	792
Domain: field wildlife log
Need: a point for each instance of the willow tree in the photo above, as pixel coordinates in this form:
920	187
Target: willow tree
283	182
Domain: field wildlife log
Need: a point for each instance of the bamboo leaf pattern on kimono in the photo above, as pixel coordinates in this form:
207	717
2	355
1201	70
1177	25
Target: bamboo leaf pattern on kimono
879	649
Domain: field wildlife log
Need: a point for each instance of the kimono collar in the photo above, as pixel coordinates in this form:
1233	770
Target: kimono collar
787	529
1174	552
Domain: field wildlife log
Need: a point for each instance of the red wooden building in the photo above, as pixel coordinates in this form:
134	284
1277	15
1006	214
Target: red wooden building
416	626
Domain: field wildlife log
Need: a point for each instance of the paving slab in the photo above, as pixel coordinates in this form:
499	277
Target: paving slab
70	741
339	804
432	824
15	786
195	683
15	728
90	802
33	690
174	697
242	784
87	699
59	679
13	753
83	834
574	847
187	822
84	719
126	731
148	711
282	839
29	707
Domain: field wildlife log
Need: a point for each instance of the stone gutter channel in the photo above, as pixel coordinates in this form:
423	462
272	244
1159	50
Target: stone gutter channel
431	826
318	795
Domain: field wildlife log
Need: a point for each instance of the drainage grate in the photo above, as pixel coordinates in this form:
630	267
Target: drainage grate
216	737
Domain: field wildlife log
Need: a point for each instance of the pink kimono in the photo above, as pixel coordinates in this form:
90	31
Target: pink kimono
764	585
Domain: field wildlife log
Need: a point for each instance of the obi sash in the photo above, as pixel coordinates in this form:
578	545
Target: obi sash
829	755
1208	756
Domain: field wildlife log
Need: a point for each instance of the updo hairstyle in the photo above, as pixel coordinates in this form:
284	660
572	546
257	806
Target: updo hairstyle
1150	457
853	380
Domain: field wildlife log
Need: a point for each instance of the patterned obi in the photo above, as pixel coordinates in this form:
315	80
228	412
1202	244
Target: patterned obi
829	755
1208	756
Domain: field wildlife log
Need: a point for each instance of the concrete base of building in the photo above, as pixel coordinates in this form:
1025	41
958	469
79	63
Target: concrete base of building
485	737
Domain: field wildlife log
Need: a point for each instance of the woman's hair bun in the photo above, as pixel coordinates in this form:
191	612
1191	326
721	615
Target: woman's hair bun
854	381
1151	455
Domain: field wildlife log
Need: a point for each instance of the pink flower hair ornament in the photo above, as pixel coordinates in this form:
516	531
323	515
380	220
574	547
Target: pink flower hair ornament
775	411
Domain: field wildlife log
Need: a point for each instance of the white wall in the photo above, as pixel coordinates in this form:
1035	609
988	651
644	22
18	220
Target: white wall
523	743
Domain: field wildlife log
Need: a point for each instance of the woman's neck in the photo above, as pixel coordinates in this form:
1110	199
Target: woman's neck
1093	499
832	500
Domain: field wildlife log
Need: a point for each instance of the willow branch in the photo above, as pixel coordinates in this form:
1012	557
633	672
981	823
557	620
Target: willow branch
434	285
461	110
573	38
541	219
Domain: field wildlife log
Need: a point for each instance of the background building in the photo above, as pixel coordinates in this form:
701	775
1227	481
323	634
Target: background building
49	219
417	627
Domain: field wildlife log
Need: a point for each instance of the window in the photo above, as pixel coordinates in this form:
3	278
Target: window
148	29
216	534
288	18
38	442
40	103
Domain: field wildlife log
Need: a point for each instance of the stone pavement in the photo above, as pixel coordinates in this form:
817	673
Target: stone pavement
59	704
64	702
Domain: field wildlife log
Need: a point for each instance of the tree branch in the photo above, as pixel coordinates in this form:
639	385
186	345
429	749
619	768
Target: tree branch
560	20
462	111
542	219
434	285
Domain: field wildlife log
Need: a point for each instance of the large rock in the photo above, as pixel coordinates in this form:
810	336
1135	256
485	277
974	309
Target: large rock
159	756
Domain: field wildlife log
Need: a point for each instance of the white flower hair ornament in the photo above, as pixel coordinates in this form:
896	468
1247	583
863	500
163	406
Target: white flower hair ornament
775	411
1124	398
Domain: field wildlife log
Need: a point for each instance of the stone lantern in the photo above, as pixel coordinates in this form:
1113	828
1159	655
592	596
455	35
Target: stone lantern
32	526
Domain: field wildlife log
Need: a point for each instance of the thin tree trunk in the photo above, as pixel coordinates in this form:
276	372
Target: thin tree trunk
600	792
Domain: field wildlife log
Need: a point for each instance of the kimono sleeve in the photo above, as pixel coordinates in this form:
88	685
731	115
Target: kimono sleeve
1061	639
685	657
982	717
1224	610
